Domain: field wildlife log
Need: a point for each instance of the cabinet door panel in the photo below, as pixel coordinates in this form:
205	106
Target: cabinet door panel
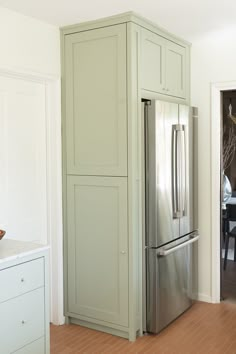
96	116
175	70
24	317
21	279
97	248
152	62
37	347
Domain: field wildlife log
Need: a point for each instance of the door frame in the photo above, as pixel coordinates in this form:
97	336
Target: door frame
53	181
216	113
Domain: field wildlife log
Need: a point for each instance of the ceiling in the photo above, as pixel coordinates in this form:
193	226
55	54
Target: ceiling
186	18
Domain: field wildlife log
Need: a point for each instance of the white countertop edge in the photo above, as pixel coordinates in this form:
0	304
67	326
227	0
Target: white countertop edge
23	254
12	250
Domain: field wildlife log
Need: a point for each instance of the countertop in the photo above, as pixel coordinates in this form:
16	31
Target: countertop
13	249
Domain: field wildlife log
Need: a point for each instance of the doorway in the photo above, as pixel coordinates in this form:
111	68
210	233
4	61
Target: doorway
216	207
228	193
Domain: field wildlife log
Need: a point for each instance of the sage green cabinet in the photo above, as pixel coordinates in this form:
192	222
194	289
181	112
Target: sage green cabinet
96	102
152	62
163	65
108	66
98	248
175	70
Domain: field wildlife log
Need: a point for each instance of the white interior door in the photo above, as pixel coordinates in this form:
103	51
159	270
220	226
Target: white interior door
23	188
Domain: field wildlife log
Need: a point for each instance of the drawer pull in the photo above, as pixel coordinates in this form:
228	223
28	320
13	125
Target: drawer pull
22	280
23	322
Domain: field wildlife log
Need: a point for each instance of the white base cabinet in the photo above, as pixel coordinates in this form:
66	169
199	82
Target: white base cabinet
36	347
24	310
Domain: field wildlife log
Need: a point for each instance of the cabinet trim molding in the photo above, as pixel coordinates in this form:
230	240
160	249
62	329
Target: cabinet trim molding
123	18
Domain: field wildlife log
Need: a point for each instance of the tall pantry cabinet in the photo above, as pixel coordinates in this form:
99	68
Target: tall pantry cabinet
108	66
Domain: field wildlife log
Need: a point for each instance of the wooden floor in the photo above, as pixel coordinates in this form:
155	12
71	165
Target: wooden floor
204	329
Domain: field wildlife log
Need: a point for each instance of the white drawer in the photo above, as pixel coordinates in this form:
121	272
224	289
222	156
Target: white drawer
17	280
21	321
37	347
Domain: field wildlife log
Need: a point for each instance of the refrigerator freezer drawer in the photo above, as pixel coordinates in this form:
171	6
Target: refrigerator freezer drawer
169	285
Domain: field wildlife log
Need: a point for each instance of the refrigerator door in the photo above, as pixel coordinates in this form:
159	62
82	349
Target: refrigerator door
169	282
161	189
186	170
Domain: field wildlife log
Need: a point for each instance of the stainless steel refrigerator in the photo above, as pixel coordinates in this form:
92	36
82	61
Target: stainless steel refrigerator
170	233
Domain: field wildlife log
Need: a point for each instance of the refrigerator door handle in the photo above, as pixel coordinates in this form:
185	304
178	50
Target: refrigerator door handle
174	173
183	172
164	253
178	171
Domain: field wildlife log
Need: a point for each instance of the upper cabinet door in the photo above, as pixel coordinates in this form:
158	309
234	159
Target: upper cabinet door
175	70
96	104
152	62
163	65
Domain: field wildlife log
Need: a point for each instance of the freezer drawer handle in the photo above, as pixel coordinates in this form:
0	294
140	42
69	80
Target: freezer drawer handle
163	253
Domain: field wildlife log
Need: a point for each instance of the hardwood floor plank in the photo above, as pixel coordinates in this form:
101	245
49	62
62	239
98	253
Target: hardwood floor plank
204	329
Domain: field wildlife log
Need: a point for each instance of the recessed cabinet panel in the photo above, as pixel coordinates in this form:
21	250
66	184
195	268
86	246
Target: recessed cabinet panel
153	62
98	248
175	70
96	117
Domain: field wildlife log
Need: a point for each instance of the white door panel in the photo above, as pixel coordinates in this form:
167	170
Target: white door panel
23	204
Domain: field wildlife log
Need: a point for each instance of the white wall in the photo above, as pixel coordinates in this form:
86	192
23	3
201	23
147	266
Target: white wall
213	60
23	160
28	44
30	123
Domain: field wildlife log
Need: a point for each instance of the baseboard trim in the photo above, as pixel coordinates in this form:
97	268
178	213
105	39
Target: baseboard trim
99	327
203	297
